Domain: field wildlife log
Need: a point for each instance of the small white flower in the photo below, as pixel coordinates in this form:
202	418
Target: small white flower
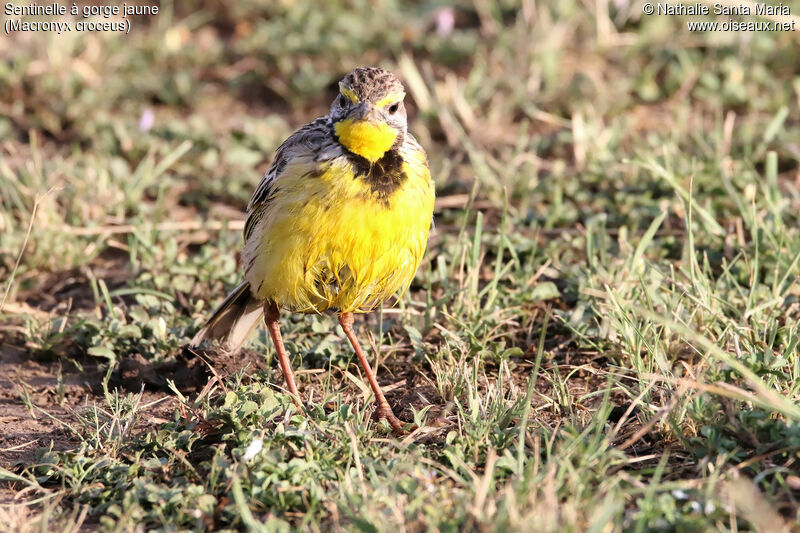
678	494
252	449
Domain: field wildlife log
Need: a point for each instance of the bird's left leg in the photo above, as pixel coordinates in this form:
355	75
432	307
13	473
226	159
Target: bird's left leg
384	410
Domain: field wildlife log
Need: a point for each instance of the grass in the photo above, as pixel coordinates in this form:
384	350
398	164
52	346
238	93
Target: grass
603	336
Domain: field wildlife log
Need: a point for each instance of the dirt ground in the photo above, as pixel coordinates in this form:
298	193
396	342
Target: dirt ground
36	406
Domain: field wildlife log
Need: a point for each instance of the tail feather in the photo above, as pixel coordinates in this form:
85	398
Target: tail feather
234	319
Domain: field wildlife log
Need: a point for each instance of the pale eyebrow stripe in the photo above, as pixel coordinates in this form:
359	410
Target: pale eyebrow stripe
390	99
349	93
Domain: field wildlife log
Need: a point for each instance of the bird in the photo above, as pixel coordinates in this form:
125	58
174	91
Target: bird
339	223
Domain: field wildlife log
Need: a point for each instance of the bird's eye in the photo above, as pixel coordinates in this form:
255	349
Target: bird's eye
394	107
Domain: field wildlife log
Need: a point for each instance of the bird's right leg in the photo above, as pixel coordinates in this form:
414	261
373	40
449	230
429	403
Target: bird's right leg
272	320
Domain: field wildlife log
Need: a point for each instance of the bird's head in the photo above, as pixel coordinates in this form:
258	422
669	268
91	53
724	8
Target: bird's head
368	113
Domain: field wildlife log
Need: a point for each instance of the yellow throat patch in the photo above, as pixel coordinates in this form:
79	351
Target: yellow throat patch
367	139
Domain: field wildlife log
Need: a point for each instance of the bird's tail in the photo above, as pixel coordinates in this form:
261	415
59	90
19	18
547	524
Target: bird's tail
234	319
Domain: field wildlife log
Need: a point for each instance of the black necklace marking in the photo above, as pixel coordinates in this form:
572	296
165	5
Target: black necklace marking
384	176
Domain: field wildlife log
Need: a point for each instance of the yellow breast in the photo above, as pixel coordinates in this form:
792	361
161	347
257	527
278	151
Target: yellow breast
329	242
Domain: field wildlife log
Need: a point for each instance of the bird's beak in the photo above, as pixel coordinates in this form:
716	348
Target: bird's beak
364	111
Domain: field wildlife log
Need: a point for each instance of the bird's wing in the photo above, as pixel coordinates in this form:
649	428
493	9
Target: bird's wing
313	142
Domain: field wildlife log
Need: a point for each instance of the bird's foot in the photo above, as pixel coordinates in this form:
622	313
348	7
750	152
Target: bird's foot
398	426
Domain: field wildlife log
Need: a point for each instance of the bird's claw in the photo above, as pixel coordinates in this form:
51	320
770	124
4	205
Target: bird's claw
398	426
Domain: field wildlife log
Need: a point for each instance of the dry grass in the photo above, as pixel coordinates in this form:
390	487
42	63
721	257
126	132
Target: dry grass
603	336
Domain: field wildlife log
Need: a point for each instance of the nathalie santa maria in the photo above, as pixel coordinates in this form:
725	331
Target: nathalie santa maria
757	9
